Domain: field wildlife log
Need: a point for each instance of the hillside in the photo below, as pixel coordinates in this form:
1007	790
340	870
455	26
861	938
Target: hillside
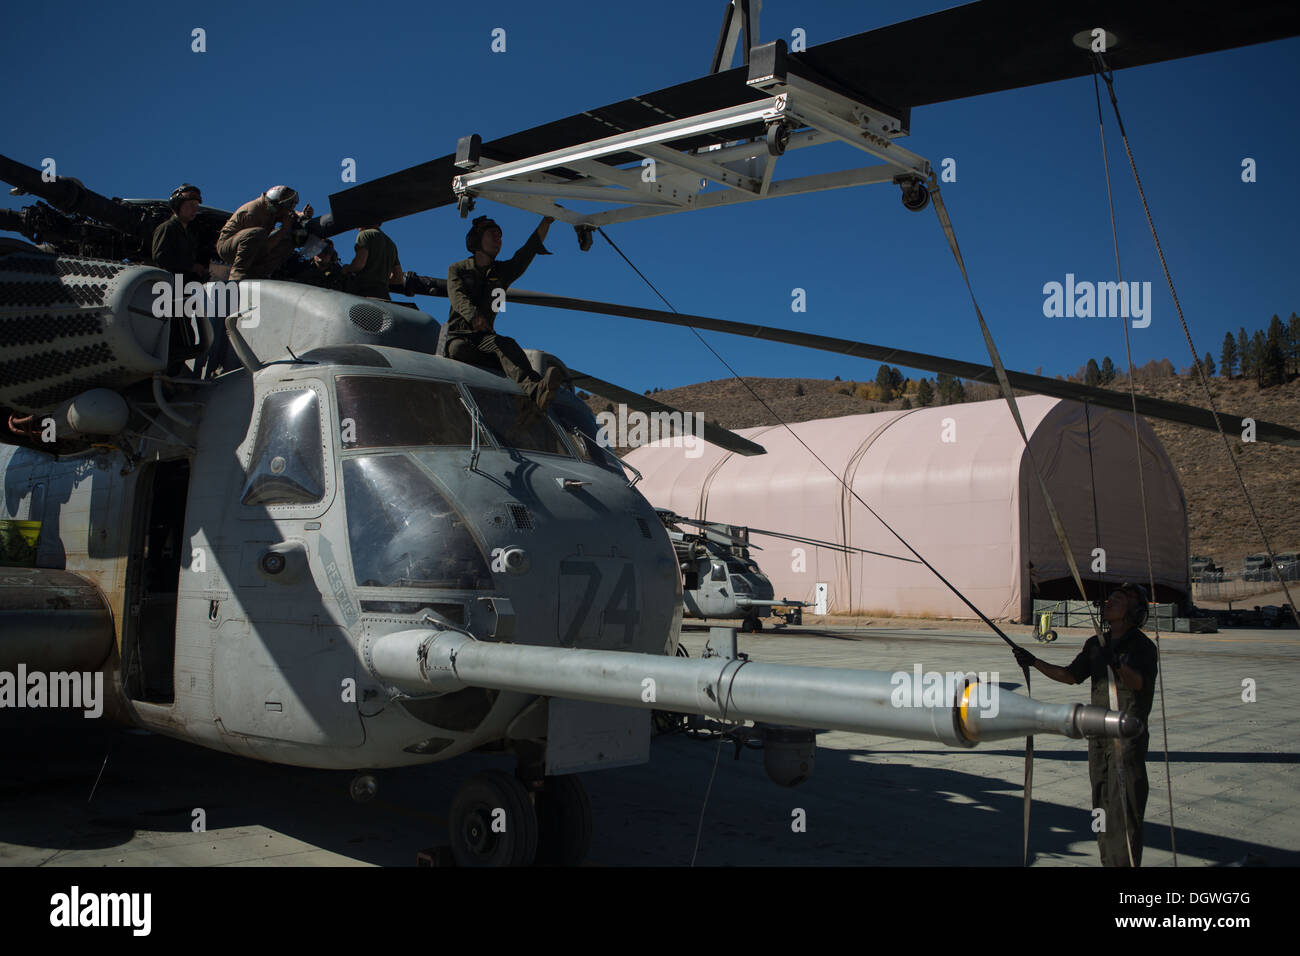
1220	522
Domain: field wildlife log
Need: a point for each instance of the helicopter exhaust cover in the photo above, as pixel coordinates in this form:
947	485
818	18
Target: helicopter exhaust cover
70	324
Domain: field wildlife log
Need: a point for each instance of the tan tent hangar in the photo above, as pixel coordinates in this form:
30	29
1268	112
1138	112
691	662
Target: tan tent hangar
956	482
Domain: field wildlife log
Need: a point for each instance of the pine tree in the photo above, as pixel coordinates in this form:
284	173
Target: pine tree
907	403
896	381
1293	336
1107	371
1274	358
943	388
1243	352
883	378
1092	373
1258	345
1209	365
958	392
1228	357
798	388
924	392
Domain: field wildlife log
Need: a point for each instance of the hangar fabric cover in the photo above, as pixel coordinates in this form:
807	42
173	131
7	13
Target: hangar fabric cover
956	482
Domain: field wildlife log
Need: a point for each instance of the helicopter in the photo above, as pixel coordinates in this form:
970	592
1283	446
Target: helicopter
721	580
262	559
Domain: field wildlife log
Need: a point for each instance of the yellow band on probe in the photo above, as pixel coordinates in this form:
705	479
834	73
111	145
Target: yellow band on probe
971	732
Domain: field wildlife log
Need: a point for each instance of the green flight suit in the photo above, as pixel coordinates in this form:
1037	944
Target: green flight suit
381	258
471	290
1137	651
175	249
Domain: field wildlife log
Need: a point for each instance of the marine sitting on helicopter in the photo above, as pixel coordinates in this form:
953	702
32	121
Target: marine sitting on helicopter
476	289
247	241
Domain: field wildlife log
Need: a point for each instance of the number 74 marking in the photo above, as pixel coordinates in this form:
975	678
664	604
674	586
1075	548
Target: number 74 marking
620	610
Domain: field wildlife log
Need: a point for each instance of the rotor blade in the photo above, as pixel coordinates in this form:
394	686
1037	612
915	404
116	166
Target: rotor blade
830	545
844	548
713	434
1150	407
966	51
68	195
713	533
998	45
710	529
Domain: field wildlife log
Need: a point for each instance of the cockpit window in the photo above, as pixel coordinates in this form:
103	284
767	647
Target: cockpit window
719	572
385	412
402	531
582	430
742	567
514	424
287	466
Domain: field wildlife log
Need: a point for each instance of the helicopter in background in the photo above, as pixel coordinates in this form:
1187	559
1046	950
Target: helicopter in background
721	580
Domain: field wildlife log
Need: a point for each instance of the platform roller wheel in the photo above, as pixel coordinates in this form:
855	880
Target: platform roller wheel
492	822
564	822
915	196
778	138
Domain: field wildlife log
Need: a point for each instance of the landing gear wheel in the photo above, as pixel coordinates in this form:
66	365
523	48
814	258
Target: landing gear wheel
363	787
778	138
492	822
585	235
758	624
563	821
915	196
465	205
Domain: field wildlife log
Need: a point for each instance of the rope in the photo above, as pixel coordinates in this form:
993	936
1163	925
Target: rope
1142	495
783	424
724	701
946	222
1200	370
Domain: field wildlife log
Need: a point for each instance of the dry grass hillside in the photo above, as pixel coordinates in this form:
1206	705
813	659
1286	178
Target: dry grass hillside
1220	522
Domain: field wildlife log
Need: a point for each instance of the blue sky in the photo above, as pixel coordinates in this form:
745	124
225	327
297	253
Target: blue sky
285	92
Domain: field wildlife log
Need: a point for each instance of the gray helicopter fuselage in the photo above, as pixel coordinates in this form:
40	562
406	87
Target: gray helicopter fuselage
331	501
727	586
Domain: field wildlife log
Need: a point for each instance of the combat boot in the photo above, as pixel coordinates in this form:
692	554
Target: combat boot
548	388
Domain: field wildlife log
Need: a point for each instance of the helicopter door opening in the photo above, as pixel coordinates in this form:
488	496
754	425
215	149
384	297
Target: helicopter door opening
149	641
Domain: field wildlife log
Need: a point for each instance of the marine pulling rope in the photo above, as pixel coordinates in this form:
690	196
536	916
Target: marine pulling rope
1000	370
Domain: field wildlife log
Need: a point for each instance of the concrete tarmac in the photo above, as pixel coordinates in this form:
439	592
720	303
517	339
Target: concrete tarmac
77	792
